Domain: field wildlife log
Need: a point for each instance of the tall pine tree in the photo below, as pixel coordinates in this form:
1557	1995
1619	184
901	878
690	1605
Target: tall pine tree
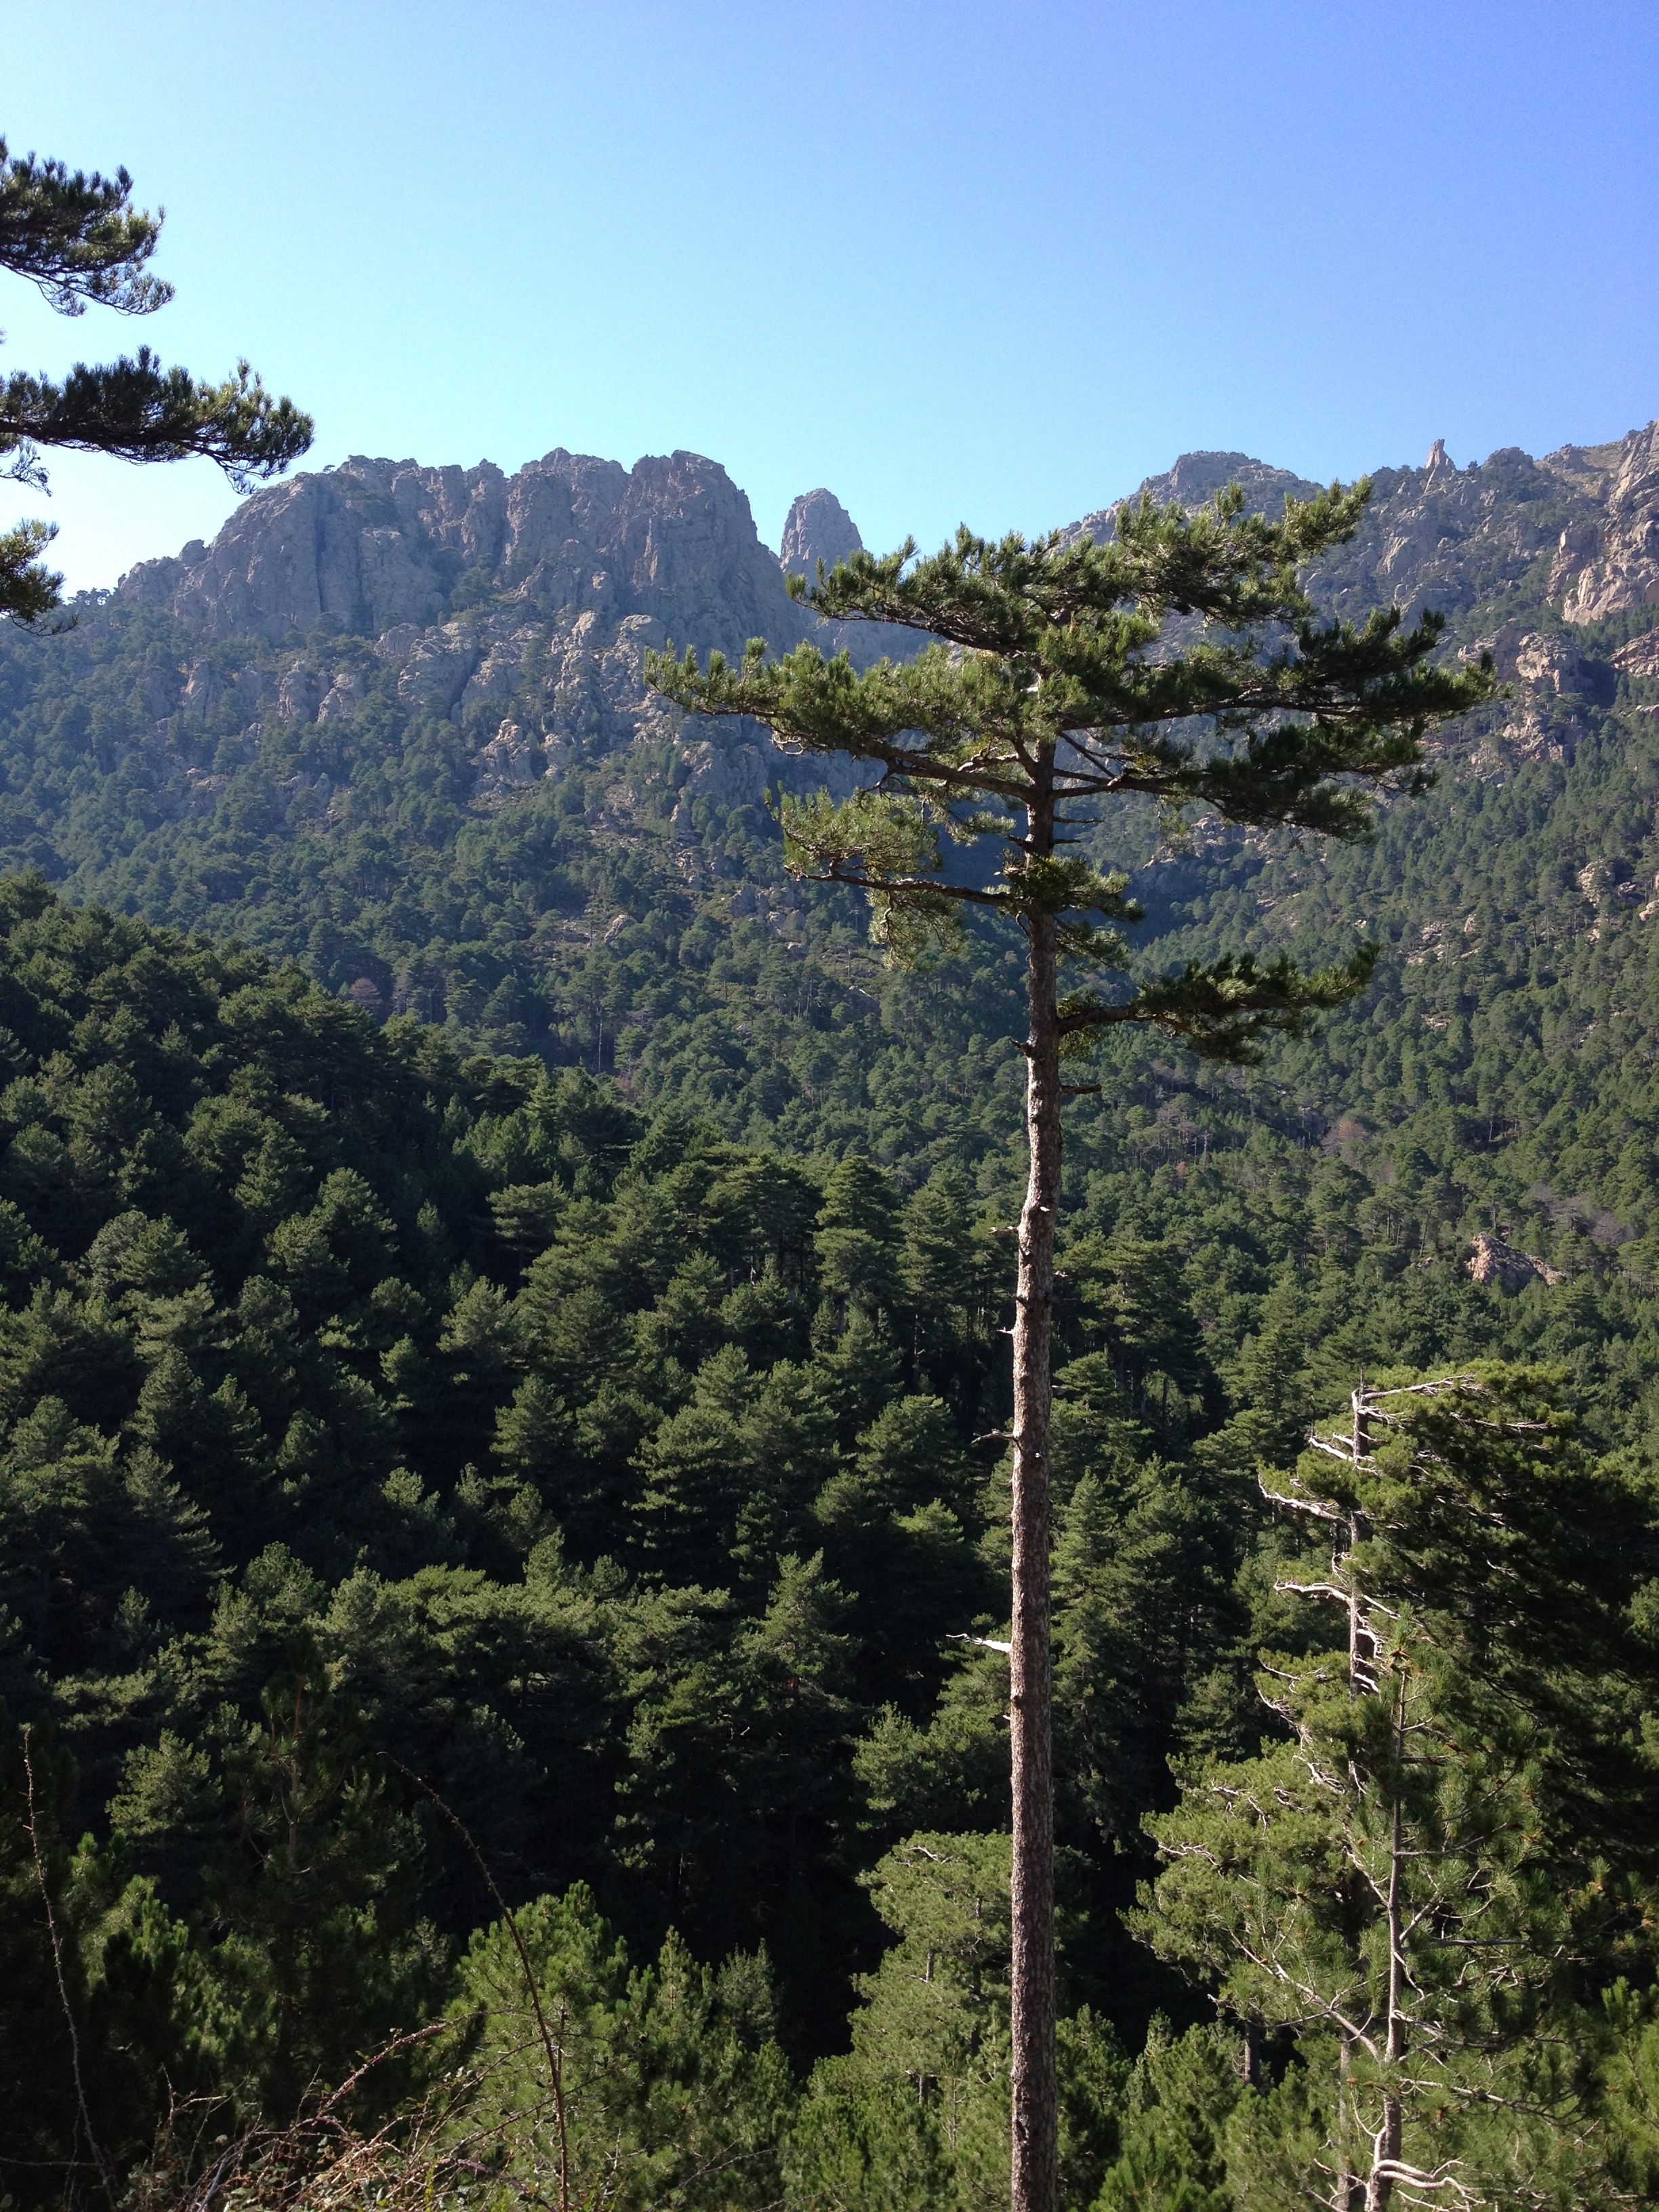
1053	683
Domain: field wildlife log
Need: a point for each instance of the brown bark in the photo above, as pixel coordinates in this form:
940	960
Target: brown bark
1036	2096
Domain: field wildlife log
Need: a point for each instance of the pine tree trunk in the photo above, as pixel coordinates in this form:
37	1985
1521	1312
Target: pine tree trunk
1349	2189
1036	2097
1379	2193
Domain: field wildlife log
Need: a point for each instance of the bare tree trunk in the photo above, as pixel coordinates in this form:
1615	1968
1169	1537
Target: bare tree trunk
1380	2190
1352	2192
1361	1644
1036	2095
1349	2189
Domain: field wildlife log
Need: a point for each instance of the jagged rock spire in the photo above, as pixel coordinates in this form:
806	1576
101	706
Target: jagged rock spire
819	528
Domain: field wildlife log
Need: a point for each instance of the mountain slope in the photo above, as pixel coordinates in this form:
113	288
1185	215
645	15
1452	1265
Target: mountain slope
622	1455
392	723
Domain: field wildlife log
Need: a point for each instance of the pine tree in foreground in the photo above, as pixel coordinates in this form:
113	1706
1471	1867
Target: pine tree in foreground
1054	685
78	238
1426	1883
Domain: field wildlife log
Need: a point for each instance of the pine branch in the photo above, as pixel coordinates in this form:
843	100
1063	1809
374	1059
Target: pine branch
140	411
78	237
1220	1011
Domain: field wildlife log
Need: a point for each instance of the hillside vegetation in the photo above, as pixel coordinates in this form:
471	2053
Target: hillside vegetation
542	1355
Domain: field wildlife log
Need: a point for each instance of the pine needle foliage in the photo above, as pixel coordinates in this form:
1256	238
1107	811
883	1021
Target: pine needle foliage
79	239
1055	684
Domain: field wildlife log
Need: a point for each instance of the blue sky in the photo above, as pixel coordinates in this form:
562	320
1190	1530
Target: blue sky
966	262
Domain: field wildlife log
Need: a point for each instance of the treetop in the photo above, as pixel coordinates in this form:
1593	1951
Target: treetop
1055	681
1054	667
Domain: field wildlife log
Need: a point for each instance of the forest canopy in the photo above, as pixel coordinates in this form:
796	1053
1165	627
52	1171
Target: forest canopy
389	1428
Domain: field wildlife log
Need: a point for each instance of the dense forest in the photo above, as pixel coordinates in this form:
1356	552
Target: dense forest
502	1372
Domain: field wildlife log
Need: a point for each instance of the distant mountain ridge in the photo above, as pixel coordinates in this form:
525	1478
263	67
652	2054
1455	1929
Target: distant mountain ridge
463	578
392	724
1449	537
386	658
378	545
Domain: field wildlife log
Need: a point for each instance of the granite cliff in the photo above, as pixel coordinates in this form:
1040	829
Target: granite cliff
818	528
521	607
1526	558
373	668
379	545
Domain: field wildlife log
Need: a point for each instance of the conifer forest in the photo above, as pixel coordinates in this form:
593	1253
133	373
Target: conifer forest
512	1161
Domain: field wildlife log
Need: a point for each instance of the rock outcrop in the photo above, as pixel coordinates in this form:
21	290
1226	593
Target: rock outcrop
521	606
1615	569
1448	538
1192	482
1492	1260
819	528
376	545
528	602
1548	680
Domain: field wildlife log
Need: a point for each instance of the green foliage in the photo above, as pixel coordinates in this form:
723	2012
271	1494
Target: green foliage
1042	699
309	1895
638	1522
662	2085
78	238
1402	1882
1174	2151
917	2114
623	1446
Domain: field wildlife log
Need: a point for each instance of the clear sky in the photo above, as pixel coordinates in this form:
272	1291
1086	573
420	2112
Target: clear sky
990	263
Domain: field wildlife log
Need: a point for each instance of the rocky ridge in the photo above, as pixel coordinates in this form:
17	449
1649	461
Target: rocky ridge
1523	556
520	607
818	528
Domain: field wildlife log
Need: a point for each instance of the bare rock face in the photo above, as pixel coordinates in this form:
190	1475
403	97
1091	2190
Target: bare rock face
1521	655
203	687
438	665
1620	566
297	694
566	573
1552	662
525	604
376	545
1640	657
296	552
1547	678
819	528
1493	1261
343	698
1450	538
508	763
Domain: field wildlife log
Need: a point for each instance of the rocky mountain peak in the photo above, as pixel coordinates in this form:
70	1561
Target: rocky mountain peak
1195	479
519	607
377	544
1611	566
819	528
